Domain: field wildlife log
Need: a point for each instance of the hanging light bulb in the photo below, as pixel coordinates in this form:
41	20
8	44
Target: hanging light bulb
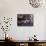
36	3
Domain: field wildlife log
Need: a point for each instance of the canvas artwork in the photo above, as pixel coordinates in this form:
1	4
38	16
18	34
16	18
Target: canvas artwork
24	19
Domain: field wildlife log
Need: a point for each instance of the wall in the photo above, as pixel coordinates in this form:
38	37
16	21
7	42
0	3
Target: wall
10	8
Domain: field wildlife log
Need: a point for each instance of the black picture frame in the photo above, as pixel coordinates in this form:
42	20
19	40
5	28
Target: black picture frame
25	19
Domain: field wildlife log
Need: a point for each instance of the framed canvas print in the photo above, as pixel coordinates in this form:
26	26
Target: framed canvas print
25	19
